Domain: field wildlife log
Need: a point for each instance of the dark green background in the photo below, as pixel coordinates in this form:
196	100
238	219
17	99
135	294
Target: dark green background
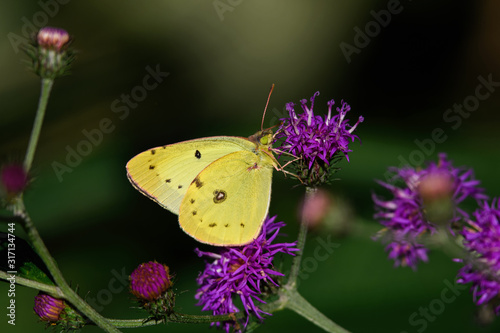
426	59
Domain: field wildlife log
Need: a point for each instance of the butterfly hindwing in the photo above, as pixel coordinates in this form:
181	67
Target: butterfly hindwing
165	173
228	201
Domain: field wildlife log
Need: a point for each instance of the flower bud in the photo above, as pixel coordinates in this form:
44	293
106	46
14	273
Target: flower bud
316	207
55	311
48	308
436	191
52	38
49	53
14	178
151	283
435	186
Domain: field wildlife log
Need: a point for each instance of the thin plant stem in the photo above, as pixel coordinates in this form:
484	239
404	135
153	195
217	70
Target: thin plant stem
69	294
37	125
53	290
175	318
302	307
33	235
301	242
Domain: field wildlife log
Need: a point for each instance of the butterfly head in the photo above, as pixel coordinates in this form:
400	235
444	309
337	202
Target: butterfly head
263	138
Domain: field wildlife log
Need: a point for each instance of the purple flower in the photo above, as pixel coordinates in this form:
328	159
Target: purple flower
406	215
404	252
317	140
150	280
243	271
482	240
48	308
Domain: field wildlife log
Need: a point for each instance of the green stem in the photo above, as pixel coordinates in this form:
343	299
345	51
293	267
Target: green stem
302	307
19	210
301	242
175	318
37	125
69	294
448	244
53	290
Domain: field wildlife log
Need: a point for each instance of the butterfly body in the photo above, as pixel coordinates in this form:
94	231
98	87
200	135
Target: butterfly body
219	186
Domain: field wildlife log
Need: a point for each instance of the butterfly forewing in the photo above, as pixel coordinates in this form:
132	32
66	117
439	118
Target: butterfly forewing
165	173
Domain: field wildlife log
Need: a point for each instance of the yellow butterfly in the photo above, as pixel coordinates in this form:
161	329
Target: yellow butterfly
219	186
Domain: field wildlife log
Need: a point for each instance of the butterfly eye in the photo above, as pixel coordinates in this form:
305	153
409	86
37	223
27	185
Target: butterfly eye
264	140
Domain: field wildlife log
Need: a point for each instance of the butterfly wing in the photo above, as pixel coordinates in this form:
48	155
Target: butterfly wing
228	201
164	173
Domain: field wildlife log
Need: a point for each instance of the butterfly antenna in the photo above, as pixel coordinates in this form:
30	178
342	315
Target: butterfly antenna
265	109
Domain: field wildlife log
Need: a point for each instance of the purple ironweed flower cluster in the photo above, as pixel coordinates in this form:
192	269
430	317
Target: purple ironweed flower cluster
317	141
482	240
405	215
243	271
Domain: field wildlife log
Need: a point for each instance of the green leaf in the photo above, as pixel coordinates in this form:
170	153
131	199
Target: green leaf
21	258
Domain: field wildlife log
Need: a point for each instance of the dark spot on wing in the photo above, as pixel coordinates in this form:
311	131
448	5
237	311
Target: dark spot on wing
164	147
226	225
197	154
242	225
168	180
151	167
198	182
220	196
211	225
191	201
194	212
153	151
179	187
253	167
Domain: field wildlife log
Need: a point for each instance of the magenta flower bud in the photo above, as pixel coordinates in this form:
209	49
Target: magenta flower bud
14	178
55	311
150	281
436	190
48	308
316	207
52	38
49	53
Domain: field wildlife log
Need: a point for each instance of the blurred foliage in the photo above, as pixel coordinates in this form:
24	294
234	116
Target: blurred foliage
426	59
